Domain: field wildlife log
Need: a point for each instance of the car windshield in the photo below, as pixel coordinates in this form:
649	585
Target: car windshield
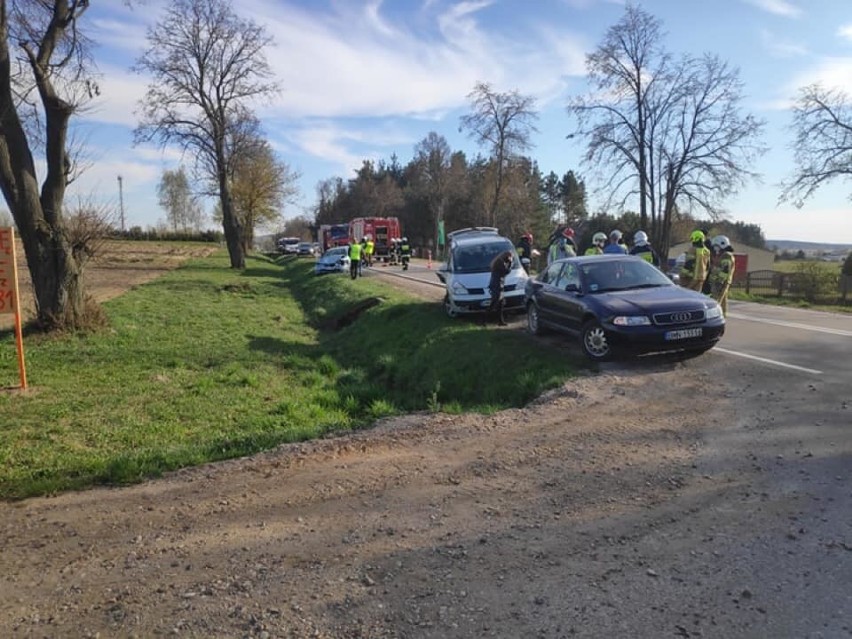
335	252
621	275
477	258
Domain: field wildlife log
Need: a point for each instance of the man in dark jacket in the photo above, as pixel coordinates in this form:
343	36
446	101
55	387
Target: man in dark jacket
501	266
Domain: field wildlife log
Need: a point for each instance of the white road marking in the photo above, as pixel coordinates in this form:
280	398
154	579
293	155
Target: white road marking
764	360
804	327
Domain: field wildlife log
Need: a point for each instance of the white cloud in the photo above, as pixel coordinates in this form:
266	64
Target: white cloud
830	72
777	7
845	32
120	92
779	48
356	63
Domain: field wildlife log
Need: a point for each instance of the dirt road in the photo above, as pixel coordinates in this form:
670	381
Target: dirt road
651	499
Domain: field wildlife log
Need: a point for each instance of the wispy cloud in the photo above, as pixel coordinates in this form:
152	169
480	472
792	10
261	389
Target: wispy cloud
829	72
845	32
357	63
361	62
780	48
777	7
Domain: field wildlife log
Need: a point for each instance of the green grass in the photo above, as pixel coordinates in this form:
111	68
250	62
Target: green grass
207	363
792	266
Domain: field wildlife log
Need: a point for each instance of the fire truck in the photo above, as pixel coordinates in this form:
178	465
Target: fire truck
381	229
331	235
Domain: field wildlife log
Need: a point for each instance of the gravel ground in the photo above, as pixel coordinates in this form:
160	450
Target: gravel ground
702	498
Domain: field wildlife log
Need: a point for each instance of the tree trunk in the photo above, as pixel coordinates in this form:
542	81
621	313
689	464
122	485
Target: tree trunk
230	224
38	216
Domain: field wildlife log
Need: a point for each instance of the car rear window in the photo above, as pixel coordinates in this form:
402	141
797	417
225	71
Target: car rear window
477	258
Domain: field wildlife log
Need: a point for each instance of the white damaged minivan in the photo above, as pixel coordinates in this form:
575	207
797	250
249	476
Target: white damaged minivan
467	271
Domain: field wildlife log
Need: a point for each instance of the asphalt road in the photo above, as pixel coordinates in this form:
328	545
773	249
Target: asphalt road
810	342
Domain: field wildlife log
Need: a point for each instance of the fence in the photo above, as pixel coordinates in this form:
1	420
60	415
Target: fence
814	285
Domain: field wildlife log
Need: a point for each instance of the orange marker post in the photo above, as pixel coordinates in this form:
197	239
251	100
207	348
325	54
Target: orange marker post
9	301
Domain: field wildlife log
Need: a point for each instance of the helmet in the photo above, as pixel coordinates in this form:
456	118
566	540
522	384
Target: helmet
568	232
615	234
405	239
640	238
599	238
721	242
696	237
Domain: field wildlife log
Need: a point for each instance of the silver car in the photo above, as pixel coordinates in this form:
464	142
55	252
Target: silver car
467	271
334	260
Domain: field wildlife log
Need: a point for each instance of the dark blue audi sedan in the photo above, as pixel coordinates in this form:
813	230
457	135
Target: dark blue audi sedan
621	304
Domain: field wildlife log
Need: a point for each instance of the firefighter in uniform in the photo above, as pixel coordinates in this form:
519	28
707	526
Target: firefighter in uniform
598	243
643	249
404	253
562	247
697	264
721	271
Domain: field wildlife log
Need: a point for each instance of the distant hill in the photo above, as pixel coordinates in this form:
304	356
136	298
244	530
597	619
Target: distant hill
807	247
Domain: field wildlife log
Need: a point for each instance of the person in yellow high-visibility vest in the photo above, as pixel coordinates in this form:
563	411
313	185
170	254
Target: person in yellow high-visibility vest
697	264
355	250
368	251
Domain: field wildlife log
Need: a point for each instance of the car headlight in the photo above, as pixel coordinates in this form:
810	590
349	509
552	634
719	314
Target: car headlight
632	320
713	312
458	288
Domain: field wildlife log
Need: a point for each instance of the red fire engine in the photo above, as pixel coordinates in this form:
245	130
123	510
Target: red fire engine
380	229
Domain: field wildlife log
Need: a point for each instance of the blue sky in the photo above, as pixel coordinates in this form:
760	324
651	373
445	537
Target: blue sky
366	79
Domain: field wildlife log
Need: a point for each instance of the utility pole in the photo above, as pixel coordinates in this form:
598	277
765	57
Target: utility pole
121	202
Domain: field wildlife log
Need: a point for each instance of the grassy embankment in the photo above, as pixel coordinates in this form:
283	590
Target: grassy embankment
206	363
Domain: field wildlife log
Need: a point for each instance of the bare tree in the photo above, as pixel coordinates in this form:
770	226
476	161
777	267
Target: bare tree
624	71
41	87
668	133
206	64
822	122
503	122
89	226
176	198
703	144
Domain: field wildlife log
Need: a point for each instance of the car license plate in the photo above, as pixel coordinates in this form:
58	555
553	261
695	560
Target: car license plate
685	333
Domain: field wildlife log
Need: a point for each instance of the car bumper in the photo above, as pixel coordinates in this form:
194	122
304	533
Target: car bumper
656	339
480	303
334	268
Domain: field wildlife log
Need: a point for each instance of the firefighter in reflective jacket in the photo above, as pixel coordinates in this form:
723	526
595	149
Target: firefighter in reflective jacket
721	270
368	250
355	250
697	264
598	243
641	248
404	253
